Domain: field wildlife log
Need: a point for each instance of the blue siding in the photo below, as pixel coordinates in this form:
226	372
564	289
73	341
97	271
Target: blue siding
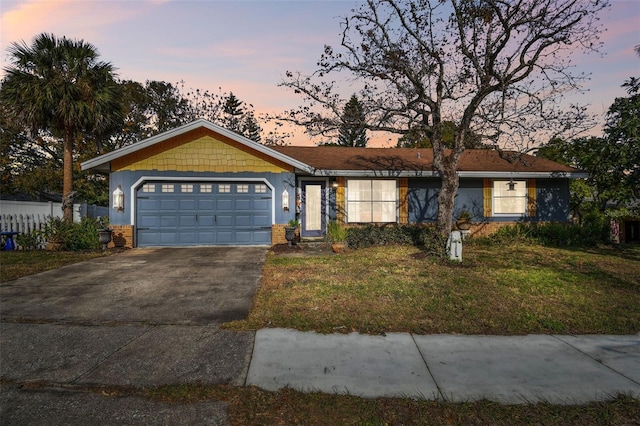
552	200
552	197
423	200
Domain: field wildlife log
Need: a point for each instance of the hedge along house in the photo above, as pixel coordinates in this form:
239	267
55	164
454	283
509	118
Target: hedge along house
201	184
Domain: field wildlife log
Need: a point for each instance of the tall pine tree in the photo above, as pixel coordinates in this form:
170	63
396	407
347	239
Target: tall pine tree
353	130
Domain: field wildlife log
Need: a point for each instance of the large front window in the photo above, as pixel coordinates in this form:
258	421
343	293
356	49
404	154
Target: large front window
371	200
510	197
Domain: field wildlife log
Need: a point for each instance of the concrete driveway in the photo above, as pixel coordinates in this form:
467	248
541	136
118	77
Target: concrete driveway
142	318
190	286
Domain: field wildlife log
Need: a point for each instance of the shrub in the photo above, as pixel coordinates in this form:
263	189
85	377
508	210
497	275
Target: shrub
554	234
73	236
84	235
421	236
336	232
29	240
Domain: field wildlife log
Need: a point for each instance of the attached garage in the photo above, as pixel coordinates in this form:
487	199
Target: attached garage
199	184
183	213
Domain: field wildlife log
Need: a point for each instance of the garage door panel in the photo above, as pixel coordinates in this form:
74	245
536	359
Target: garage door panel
224	205
148	238
261	220
187	204
206	237
191	216
148	221
244	204
208	204
168	221
244	237
225	237
243	220
168	204
206	219
225	220
187	220
262	236
187	237
145	204
168	237
262	204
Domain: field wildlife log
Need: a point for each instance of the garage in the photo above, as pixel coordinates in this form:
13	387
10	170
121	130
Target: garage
184	213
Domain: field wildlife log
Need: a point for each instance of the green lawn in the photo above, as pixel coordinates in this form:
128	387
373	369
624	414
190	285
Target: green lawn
515	289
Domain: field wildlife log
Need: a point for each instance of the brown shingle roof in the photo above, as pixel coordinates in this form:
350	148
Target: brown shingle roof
413	159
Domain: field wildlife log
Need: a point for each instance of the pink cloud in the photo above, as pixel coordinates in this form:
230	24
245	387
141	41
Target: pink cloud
76	19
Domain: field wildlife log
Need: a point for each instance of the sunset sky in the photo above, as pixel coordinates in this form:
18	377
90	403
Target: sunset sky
245	47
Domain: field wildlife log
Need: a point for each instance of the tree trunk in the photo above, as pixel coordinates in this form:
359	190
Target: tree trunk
448	189
67	180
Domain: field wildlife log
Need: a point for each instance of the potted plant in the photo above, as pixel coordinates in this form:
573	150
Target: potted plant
464	221
337	236
290	230
104	233
56	232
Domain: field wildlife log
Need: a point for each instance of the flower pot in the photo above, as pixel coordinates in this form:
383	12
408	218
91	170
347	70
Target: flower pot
54	244
104	237
290	234
463	225
338	247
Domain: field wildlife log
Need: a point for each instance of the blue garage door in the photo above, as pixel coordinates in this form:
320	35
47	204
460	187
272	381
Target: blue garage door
195	213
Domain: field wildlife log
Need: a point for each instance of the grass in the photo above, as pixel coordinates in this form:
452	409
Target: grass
253	406
16	264
496	290
501	290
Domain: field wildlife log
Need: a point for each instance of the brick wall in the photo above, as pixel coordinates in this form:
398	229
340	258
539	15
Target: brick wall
485	229
277	235
122	235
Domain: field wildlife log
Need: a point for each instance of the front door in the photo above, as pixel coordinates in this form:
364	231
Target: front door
313	206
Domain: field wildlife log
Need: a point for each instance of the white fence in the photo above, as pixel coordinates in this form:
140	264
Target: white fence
25	216
22	223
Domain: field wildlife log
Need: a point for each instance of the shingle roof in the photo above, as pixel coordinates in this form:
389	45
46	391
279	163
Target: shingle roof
419	160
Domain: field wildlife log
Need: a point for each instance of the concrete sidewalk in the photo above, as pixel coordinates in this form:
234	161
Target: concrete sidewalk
506	369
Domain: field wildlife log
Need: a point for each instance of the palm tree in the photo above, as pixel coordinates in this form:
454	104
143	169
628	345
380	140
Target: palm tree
57	85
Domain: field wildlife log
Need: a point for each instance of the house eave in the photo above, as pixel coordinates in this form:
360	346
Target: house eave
375	173
462	174
523	175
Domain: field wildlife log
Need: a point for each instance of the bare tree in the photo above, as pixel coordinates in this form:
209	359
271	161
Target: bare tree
497	68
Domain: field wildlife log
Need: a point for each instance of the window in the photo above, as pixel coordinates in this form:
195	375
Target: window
509	202
206	188
167	187
260	188
186	188
149	187
224	188
242	188
371	200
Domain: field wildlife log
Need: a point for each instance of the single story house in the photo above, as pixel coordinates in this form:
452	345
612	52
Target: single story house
201	184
